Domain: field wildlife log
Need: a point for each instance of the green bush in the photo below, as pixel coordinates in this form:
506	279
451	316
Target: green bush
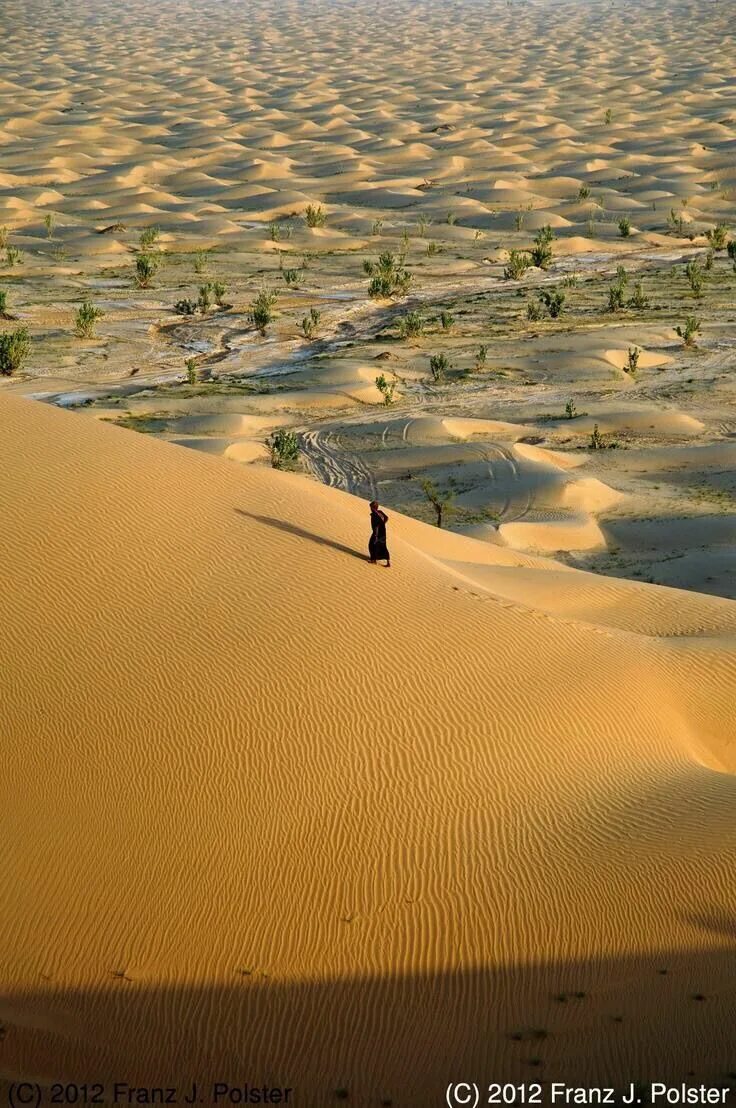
283	447
148	237
694	275
632	360
411	325
185	307
388	275
616	296
315	215
541	252
689	330
447	321
638	300
86	318
386	388
718	236
517	265
570	410
583	193
261	309
15	346
624	226
145	270
534	311
191	368
554	301
201	261
439	366
13	256
3	304
310	323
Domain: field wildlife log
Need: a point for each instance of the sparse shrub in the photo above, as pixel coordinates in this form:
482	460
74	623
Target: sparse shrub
447	321
718	236
260	312
517	265
284	448
624	226
676	221
291	276
481	357
439	366
731	249
621	275
689	330
386	388
541	252
59	253
388	276
710	257
185	307
191	368
274	231
616	293
423	224
201	261
432	249
597	441
315	215
405	242
519	220
145	270
534	311
694	275
411	325
554	301
632	360
571	281
441	501
218	292
583	193
307	258
377	227
638	300
86	318
204	301
310	323
13	256
608	117
49	223
15	346
3	304
451	218
148	237
570	410
3	238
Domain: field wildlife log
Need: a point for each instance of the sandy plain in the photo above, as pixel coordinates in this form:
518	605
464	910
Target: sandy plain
271	814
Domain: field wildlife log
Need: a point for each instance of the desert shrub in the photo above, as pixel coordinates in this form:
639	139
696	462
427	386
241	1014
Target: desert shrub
185	307
86	318
201	261
441	501
689	330
432	249
148	237
583	193
710	257
676	221
386	388
608	116
377	227
388	276
13	256
534	311
423	224
718	236
541	252
554	301
632	359
616	296
597	442
218	291
204	300
3	238
519	220
49	223
411	325
694	275
310	323
260	311
438	366
283	447
638	299
275	232
291	276
191	370
570	410
447	320
731	249
624	226
405	242
315	215
3	303
481	357
517	265
571	281
145	270
15	346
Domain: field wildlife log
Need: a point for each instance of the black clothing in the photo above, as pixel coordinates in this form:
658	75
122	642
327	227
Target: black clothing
377	544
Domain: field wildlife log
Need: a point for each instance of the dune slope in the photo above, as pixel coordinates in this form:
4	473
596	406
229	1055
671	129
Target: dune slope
273	814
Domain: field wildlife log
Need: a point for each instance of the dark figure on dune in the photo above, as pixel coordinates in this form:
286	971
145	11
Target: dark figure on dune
377	543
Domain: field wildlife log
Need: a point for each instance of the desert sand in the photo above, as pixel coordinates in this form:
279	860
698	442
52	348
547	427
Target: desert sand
273	815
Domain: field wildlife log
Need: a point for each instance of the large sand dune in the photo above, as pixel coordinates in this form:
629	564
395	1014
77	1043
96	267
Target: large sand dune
273	814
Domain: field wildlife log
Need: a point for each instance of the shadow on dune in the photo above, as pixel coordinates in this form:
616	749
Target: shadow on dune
292	529
387	1040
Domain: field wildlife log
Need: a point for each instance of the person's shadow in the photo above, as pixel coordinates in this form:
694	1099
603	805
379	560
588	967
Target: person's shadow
292	529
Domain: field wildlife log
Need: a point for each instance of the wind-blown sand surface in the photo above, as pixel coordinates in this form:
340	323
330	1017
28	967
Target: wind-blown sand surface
274	815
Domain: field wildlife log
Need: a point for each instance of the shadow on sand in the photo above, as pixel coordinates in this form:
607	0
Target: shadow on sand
291	529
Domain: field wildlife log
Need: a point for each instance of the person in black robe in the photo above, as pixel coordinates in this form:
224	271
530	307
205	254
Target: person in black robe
377	543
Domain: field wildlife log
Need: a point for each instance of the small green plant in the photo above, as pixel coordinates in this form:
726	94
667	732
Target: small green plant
145	270
432	249
583	193
597	441
570	410
315	215
517	265
440	501
49	223
731	249
386	388
519	220
310	323
533	311
283	447
59	252
624	226
694	275
260	311
423	224
438	367
451	218
377	227
718	236
388	275
676	221
481	358
185	307
608	117
447	320
554	301
3	238
201	261
204	301
291	276
541	252
13	256
411	325
710	257
275	232
218	292
616	296
571	281
689	330
4	304
86	318
15	346
148	237
638	299
632	360
191	370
